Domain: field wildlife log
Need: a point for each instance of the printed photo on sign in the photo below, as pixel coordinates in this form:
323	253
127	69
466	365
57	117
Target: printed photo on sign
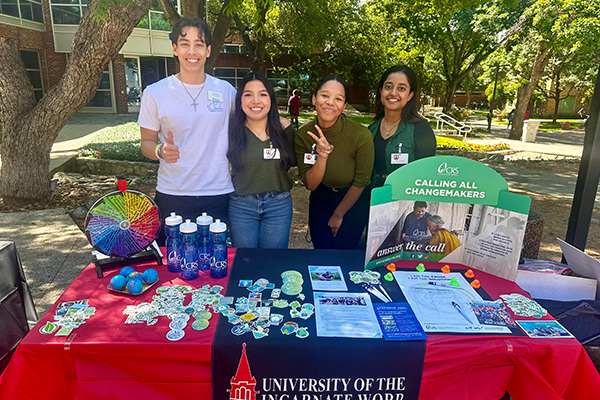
484	237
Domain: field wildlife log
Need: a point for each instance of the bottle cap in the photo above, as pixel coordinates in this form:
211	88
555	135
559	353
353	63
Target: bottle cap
204	219
173	220
218	226
188	227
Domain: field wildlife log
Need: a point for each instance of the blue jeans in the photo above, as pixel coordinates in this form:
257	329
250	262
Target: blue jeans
260	220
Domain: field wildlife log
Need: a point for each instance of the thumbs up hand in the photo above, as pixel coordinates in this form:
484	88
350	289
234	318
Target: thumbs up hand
170	151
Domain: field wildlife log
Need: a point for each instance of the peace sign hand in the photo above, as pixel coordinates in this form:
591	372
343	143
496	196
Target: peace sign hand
323	146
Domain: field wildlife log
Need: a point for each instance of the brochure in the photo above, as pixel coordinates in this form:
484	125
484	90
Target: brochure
345	315
398	322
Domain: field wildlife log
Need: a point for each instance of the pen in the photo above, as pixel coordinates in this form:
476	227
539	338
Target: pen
375	292
385	293
460	310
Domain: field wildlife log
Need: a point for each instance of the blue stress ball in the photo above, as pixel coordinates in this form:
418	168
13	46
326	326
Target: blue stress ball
118	282
135	286
134	275
150	276
126	271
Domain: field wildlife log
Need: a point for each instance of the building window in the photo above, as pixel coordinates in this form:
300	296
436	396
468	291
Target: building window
103	96
280	83
231	75
567	105
155	19
68	12
31	59
25	9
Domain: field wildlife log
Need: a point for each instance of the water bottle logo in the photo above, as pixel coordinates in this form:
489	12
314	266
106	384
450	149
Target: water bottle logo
174	257
221	264
204	258
189	266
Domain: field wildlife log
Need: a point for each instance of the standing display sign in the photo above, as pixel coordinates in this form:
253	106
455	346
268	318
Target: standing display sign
447	208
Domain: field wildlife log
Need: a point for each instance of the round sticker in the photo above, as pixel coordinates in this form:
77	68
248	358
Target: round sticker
200	324
175	335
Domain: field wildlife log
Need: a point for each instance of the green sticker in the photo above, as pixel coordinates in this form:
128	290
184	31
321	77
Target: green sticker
200	324
49	328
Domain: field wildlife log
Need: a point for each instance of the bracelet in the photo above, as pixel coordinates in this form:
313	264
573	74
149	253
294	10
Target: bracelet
158	151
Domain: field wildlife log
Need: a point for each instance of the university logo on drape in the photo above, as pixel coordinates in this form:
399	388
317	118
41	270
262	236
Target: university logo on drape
243	384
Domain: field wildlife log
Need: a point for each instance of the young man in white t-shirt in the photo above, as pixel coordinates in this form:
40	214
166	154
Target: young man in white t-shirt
184	122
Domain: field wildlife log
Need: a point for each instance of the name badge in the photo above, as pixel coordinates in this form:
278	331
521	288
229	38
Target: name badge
310	158
271	154
399	158
215	96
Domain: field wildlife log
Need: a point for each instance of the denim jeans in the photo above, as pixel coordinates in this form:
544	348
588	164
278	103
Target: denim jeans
260	220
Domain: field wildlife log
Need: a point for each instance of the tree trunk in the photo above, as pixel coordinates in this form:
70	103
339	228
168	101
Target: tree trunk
191	8
450	92
556	97
525	92
218	37
29	129
169	10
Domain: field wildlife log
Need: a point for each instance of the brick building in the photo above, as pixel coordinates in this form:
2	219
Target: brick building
44	30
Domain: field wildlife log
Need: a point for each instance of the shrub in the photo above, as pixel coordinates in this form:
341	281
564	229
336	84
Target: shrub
453	144
121	142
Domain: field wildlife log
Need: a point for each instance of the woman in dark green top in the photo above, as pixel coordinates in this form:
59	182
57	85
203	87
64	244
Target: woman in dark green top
260	152
337	176
400	134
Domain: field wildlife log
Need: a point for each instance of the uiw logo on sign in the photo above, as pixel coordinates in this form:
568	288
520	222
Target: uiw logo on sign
243	384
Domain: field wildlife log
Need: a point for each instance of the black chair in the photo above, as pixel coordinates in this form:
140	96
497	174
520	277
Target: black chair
17	313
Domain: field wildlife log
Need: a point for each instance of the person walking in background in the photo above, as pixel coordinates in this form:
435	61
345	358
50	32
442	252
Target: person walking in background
184	119
511	116
260	152
294	106
339	171
400	134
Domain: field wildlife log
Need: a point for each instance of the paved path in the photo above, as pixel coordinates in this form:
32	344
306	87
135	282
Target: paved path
53	250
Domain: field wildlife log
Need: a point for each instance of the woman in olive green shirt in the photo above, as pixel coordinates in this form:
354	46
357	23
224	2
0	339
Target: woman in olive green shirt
261	153
335	160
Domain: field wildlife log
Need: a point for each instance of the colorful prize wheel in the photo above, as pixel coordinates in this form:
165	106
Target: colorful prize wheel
123	223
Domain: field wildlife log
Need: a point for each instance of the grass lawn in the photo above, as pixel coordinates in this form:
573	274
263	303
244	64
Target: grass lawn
122	142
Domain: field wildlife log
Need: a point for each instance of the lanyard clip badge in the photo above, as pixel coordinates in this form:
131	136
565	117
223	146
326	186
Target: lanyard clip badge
311	158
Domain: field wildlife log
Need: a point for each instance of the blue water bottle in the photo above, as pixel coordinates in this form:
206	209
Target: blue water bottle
218	261
189	250
172	224
204	242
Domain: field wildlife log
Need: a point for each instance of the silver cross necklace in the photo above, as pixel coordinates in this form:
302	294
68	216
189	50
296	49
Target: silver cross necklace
192	97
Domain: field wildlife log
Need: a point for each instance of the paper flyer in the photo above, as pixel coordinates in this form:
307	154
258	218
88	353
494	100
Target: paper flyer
442	307
345	315
451	209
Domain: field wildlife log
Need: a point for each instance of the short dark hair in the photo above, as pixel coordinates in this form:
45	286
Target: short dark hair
205	31
410	112
336	78
420	204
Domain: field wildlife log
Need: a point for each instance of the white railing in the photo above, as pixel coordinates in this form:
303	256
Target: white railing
444	119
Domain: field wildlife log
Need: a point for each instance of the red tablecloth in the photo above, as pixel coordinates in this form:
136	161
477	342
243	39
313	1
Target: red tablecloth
108	359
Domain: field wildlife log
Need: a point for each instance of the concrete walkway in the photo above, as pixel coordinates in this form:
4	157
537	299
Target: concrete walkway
53	250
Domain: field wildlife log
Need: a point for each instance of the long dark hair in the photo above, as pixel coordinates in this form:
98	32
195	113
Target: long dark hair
237	129
410	112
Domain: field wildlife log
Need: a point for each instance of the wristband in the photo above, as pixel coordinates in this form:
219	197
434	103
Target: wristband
158	151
